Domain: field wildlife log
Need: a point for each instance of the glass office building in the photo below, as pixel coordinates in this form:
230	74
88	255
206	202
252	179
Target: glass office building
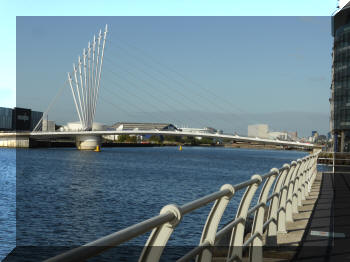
340	97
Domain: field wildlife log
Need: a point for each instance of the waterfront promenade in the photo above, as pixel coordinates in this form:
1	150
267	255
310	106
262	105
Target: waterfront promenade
321	212
327	233
321	228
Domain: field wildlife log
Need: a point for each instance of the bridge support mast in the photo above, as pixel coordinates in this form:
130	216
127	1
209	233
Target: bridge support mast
85	86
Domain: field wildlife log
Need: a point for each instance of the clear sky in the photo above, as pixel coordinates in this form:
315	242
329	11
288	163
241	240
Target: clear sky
262	65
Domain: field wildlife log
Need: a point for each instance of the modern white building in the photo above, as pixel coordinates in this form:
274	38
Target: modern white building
278	135
260	131
124	126
77	126
144	126
205	130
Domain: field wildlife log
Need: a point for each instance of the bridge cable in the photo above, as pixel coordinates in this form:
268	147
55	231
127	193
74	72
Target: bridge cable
166	96
120	76
193	83
53	101
210	100
223	99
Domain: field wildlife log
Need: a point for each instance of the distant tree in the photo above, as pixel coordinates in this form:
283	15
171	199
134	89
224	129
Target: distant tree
122	138
127	139
173	138
132	139
155	139
190	140
206	140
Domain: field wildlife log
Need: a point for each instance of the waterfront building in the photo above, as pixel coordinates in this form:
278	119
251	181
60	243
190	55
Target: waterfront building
278	135
260	131
293	135
340	87
125	126
144	126
36	116
77	126
5	119
18	119
205	130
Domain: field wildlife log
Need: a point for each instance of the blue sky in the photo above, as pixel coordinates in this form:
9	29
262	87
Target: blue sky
215	53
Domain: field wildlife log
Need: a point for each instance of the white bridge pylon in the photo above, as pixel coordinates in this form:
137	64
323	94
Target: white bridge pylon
86	83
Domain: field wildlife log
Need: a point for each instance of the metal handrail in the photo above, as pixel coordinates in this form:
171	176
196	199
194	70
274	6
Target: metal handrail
187	208
291	184
336	159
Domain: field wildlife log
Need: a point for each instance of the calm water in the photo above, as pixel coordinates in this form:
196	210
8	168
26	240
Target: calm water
7	201
67	197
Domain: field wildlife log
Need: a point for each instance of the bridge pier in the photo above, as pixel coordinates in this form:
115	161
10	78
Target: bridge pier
88	142
14	141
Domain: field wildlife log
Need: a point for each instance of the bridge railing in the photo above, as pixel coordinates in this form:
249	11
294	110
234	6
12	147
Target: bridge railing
282	192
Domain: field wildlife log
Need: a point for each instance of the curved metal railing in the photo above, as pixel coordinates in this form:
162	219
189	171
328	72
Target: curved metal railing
289	185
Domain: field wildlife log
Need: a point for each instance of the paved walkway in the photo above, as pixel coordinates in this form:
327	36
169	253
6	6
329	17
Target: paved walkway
321	231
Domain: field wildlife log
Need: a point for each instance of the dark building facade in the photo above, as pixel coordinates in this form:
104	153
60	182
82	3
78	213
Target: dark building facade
21	119
340	98
18	119
5	119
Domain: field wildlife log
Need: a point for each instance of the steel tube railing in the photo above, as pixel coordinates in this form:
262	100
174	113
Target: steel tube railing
228	227
94	248
189	207
194	252
292	183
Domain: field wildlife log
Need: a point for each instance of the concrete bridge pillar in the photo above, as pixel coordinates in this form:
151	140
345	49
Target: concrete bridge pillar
14	141
88	142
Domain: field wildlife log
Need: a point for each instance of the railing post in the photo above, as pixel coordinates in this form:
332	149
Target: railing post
309	175
283	199
237	236
159	237
273	209
296	187
304	179
314	172
289	206
212	223
256	250
300	182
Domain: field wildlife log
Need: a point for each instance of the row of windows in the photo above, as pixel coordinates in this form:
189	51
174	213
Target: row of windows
341	116
343	34
341	92
341	66
342	76
341	107
342	84
341	125
341	48
342	57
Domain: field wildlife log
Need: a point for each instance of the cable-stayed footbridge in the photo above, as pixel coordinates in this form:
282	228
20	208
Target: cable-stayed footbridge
85	85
